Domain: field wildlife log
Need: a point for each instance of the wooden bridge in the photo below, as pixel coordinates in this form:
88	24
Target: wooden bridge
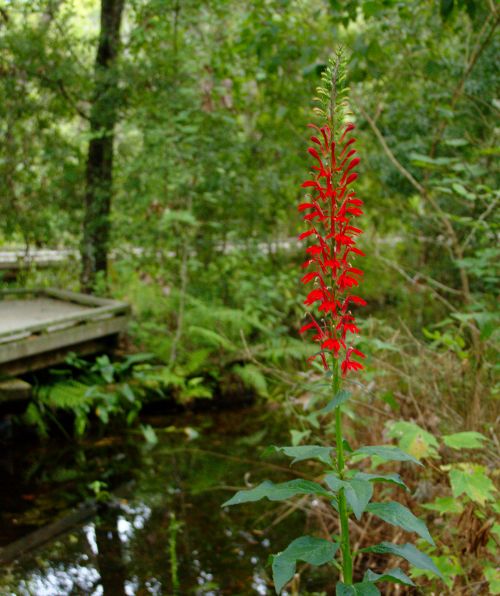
39	327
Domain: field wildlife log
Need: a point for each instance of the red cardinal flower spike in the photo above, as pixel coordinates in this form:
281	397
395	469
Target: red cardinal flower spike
330	210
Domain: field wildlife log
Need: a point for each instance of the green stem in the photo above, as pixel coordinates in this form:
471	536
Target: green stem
345	545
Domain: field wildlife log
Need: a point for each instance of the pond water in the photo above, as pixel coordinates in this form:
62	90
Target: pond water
166	533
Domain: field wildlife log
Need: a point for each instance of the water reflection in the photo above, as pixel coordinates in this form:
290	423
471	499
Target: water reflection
128	548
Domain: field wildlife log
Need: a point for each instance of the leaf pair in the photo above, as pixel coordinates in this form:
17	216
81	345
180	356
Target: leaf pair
368	588
358	492
318	551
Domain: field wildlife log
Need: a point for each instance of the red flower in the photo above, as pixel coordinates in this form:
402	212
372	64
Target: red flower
332	204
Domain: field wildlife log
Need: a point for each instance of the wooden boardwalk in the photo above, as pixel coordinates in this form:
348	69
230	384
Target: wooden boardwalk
38	328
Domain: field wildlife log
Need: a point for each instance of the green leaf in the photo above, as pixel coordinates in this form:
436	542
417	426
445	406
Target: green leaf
298	436
315	551
461	191
252	377
413	439
127	392
399	515
492	576
359	589
407	551
465	440
396	575
424	161
341	397
448	565
334	482
302	452
471	479
456	142
149	434
277	492
444	505
386	452
392	478
358	494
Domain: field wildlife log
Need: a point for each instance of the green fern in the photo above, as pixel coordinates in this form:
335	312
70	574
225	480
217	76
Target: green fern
210	337
284	349
66	395
231	320
253	378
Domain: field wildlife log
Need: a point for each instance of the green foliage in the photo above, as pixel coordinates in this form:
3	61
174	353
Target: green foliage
357	488
471	480
358	492
384	453
359	589
464	440
399	515
302	452
391	575
103	389
391	478
413	439
315	551
406	551
277	492
339	399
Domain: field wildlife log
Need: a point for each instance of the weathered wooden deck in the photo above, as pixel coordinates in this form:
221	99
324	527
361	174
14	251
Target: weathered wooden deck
38	328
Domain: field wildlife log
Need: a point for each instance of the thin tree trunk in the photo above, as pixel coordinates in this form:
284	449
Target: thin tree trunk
99	173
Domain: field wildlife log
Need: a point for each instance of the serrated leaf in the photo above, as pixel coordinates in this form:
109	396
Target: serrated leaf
399	515
315	551
471	479
341	397
413	439
406	551
359	589
465	440
444	505
385	452
392	478
302	452
396	575
277	492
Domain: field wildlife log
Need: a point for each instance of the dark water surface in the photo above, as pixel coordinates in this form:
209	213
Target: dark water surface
167	533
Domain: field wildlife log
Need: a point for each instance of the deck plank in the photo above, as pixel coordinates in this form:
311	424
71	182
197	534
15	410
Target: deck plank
19	314
39	329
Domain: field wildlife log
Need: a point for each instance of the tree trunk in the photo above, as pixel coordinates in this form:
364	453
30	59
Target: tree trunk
99	172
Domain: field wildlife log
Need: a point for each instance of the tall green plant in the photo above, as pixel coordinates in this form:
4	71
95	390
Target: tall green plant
330	208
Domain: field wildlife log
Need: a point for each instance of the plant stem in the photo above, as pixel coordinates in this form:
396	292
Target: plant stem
345	545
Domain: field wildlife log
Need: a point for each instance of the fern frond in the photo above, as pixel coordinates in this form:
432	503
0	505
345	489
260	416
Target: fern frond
252	377
67	395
